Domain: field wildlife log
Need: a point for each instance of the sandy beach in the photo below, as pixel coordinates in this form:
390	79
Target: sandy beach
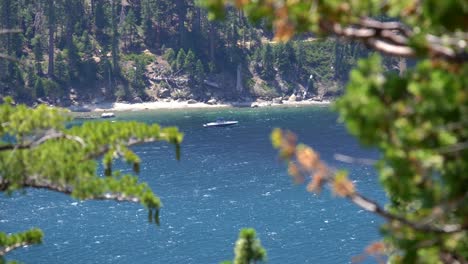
116	107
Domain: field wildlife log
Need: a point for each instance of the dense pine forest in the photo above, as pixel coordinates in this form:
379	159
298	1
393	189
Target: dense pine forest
63	52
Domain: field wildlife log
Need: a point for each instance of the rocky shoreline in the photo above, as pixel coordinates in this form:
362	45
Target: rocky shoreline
180	104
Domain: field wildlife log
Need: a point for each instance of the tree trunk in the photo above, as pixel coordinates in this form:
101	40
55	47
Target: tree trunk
122	13
93	7
402	66
239	86
212	40
182	15
50	69
115	40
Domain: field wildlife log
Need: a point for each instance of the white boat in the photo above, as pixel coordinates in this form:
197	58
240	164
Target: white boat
107	115
220	123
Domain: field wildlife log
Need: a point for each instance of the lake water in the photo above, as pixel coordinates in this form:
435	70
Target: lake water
227	179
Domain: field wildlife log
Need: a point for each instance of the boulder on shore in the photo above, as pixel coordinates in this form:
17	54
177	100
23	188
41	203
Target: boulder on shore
137	100
212	101
292	98
278	100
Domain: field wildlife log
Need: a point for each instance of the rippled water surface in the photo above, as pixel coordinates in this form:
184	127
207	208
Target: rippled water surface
228	178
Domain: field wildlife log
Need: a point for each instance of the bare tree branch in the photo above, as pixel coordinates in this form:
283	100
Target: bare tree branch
7	31
37	183
309	164
454	148
6	57
373	207
393	38
349	159
131	142
452	258
50	135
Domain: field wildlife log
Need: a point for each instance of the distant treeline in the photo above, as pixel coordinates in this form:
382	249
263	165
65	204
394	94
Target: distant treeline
103	47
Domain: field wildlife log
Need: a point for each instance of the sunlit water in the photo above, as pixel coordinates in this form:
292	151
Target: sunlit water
228	178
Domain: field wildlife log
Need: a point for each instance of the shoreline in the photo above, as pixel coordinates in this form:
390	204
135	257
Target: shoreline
120	107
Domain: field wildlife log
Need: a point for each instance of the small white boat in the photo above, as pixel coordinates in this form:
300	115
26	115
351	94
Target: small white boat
220	123
107	115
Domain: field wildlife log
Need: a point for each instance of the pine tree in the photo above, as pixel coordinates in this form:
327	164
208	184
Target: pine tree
48	154
115	40
38	54
51	20
267	71
100	16
199	75
147	21
169	55
61	69
128	30
39	88
138	80
180	60
189	63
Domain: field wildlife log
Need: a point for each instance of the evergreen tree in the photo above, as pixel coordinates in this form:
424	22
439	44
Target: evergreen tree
267	70
86	47
115	40
49	155
51	19
147	9
39	88
248	249
128	30
199	74
30	77
169	55
100	16
38	54
299	52
61	69
180	60
138	78
281	62
189	63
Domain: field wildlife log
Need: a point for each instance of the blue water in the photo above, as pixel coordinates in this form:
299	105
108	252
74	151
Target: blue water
228	178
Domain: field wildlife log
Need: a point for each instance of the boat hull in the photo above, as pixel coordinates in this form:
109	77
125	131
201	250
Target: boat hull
220	124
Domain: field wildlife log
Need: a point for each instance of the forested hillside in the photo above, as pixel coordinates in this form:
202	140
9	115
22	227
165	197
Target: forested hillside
63	52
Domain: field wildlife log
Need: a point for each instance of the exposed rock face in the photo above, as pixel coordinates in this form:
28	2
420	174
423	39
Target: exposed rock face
163	93
192	101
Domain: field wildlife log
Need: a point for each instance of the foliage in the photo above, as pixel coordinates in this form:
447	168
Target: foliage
39	151
72	43
248	248
416	119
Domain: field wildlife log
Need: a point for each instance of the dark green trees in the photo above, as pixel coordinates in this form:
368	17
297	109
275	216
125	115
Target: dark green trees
90	34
